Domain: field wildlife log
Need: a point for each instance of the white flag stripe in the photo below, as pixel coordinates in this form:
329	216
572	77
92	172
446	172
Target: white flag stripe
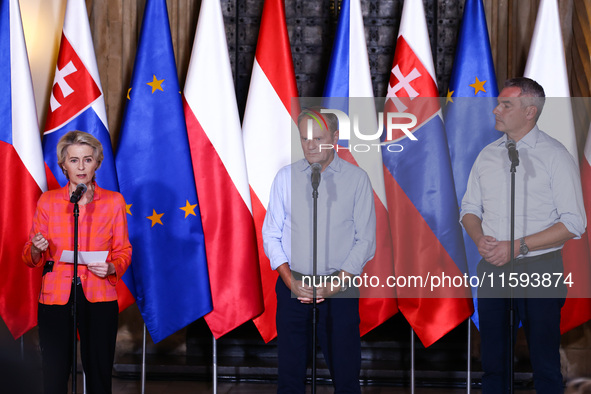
26	138
216	110
413	27
77	31
546	64
360	86
268	135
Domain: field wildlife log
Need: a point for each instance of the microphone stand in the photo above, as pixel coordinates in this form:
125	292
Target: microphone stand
74	302
514	164
314	272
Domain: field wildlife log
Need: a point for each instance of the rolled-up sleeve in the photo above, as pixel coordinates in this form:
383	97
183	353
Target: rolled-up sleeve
274	224
568	195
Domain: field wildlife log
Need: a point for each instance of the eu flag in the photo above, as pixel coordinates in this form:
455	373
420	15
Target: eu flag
168	275
471	98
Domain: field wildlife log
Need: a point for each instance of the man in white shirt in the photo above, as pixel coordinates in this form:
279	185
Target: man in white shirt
549	211
346	242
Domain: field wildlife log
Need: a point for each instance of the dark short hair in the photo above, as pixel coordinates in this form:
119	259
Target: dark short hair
331	120
530	89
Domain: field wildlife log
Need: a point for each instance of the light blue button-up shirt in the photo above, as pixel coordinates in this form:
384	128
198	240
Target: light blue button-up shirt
547	189
346	219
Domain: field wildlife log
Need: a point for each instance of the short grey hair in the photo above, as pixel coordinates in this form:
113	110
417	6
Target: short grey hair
531	90
330	119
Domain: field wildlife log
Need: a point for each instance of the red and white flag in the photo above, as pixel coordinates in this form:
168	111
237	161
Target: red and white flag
219	165
546	64
267	131
577	261
23	174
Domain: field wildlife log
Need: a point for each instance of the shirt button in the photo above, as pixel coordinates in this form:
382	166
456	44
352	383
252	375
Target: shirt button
84	277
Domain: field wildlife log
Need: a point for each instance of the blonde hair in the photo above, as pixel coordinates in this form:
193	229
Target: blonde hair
77	137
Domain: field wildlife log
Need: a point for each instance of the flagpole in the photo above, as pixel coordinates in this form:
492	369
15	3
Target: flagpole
75	280
514	163
469	367
215	365
412	361
144	361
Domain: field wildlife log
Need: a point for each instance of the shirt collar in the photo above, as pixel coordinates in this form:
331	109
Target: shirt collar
529	140
335	165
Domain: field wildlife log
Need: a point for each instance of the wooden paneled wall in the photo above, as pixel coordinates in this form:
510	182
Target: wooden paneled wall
511	24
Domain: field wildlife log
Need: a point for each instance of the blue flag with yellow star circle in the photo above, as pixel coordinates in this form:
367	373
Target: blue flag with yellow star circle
168	275
471	98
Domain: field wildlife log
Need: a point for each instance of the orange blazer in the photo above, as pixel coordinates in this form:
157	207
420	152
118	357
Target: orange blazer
102	225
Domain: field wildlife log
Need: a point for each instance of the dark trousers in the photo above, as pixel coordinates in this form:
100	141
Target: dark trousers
540	318
97	327
338	336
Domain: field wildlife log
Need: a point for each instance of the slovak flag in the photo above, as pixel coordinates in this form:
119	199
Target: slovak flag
424	215
349	77
77	103
22	176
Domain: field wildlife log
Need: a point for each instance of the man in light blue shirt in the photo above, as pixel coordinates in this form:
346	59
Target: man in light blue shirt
346	242
549	211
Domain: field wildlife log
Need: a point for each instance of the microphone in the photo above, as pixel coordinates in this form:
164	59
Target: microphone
316	167
77	195
513	153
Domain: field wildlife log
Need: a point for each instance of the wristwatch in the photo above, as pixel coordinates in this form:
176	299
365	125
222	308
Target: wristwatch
523	249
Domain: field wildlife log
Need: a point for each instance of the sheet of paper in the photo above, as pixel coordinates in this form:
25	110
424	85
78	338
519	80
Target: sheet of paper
84	257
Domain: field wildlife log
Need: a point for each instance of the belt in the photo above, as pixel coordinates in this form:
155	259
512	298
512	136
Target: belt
298	276
545	256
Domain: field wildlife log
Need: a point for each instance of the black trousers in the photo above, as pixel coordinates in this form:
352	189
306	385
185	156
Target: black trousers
338	336
97	327
538	309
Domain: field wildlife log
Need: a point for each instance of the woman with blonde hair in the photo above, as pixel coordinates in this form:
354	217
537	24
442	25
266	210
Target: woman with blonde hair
102	227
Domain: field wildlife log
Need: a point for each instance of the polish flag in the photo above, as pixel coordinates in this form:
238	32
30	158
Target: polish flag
576	258
268	128
546	64
219	165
